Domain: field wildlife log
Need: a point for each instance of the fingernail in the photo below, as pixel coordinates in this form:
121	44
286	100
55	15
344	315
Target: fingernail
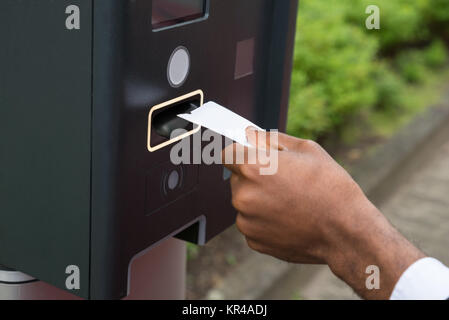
251	129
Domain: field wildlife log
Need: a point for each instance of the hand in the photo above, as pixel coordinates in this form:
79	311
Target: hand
312	211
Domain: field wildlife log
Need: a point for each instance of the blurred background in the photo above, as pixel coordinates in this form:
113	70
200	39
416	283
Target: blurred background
377	101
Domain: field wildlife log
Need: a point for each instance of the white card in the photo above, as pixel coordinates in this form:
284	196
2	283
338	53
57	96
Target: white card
222	121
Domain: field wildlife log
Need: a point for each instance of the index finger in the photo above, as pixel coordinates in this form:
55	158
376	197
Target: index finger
235	156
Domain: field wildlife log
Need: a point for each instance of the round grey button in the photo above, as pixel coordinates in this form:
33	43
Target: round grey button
173	180
178	67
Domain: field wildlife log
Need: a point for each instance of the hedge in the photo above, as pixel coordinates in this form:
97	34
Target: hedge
342	69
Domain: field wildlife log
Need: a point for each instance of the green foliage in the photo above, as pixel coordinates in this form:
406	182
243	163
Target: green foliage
402	21
332	69
437	11
436	56
231	260
389	88
436	15
192	251
341	69
411	66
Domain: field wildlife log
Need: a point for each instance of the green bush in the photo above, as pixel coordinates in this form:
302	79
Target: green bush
389	88
436	15
436	55
332	69
402	21
308	113
411	66
342	69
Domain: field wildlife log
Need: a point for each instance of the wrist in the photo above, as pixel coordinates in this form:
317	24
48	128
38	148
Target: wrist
367	239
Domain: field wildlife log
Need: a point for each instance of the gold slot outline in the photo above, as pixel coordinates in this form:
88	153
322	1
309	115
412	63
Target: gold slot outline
164	105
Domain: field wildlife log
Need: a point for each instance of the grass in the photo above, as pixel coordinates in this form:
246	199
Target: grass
192	251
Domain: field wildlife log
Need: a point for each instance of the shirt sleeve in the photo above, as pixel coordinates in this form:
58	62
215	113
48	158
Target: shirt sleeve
426	279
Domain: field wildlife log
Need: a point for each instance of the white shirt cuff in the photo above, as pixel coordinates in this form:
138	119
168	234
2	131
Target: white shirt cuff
426	279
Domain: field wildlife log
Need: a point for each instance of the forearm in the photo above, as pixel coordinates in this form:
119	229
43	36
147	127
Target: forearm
372	242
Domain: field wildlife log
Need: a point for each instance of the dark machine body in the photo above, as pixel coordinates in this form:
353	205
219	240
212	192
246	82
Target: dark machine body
78	185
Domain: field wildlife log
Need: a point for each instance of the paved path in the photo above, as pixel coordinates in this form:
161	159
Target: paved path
415	199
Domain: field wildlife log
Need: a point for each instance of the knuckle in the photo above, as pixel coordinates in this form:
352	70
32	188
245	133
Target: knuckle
244	170
241	224
252	244
241	200
312	147
246	226
309	144
255	246
234	180
247	170
236	203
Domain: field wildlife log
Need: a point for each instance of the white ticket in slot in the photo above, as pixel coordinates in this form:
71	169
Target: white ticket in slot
222	121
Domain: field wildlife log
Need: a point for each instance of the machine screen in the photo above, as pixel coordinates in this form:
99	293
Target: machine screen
170	12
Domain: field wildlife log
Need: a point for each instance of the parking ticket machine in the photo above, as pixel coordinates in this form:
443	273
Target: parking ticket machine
88	89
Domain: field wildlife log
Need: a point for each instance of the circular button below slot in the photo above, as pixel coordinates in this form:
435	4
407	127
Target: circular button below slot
173	180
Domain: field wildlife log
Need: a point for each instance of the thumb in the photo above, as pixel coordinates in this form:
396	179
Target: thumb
290	143
263	140
273	140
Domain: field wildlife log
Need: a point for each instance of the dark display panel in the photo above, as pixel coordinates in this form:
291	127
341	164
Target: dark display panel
170	12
